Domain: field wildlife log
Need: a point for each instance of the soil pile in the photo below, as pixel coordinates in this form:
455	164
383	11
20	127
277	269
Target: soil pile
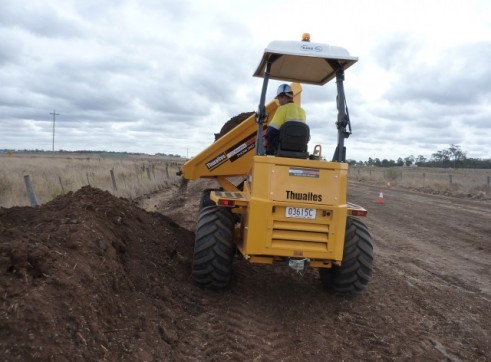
88	277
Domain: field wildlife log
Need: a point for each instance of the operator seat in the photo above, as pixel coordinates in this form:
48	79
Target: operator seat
294	137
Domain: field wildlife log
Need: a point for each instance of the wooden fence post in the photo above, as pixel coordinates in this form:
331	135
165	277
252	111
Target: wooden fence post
167	171
148	173
450	178
30	191
61	184
88	181
115	187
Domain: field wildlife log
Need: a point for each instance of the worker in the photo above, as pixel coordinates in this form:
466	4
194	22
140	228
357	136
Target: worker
287	111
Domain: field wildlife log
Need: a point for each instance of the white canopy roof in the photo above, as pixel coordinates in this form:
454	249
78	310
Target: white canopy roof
304	62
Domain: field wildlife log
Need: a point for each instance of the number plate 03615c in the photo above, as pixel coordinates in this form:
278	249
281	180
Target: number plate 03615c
300	213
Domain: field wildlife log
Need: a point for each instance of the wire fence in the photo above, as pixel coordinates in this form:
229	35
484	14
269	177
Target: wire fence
36	181
460	180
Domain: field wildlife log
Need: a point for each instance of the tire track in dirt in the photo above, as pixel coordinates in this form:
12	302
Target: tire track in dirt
428	299
241	323
436	248
264	341
421	228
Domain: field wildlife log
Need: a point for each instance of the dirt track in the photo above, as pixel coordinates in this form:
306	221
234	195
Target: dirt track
429	298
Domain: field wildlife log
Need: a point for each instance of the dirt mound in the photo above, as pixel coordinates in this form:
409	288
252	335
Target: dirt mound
232	123
89	276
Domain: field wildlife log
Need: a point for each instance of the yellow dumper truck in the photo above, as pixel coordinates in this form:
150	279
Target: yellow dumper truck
291	207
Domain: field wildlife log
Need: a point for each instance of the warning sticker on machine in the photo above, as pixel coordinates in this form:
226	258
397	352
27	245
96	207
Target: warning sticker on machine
304	172
241	148
234	153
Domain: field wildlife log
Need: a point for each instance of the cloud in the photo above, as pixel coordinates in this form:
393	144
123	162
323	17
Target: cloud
459	76
37	18
163	76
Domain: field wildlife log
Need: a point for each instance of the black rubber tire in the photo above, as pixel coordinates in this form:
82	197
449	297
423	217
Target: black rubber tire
355	272
205	200
214	248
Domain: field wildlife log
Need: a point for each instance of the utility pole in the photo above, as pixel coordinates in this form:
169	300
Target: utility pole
54	121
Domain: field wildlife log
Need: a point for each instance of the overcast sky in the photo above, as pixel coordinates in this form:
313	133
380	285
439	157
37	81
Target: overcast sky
161	76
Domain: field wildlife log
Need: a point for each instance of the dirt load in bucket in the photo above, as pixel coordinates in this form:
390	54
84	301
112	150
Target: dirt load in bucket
232	123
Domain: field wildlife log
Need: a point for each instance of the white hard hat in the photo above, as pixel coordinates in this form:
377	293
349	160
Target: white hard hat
284	88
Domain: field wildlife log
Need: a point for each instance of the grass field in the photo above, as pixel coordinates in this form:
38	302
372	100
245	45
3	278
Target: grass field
55	174
456	182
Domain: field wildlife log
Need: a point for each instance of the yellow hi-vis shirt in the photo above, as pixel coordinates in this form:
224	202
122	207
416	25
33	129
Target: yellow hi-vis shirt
287	112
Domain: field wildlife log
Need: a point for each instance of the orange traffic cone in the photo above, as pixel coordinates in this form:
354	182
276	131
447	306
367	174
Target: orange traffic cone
381	198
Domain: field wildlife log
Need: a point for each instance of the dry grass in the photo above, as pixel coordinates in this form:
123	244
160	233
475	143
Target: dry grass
456	182
53	175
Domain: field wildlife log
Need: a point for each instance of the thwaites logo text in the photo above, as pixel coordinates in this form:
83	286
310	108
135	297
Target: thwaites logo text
303	196
216	161
235	152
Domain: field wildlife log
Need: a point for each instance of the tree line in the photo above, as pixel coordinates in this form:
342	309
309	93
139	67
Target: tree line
122	153
452	157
